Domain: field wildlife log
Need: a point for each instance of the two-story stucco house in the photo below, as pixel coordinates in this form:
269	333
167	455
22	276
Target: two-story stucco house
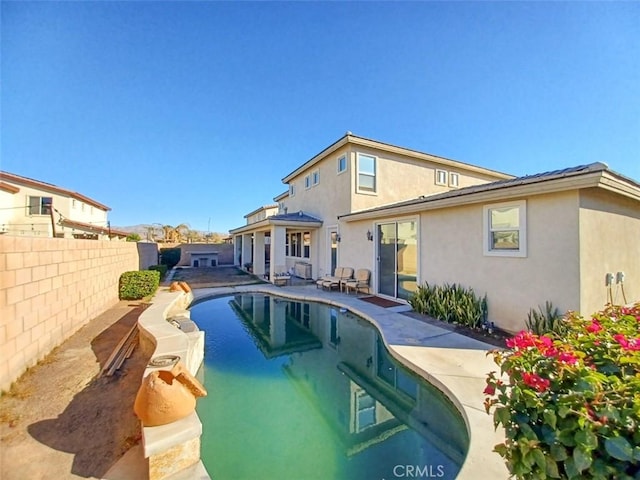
31	207
411	217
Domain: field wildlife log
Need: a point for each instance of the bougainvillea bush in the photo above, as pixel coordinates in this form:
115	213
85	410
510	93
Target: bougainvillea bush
570	405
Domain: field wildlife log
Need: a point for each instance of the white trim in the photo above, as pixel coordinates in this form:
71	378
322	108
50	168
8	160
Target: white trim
366	190
441	177
521	252
341	157
454	183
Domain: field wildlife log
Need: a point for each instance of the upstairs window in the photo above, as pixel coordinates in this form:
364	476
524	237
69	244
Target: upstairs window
454	180
292	190
441	177
505	229
342	164
366	173
307	182
315	177
40	205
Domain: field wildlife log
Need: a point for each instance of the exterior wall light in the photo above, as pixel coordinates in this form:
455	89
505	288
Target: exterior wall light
369	236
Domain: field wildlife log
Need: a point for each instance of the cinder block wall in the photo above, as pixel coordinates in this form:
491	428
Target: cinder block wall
49	288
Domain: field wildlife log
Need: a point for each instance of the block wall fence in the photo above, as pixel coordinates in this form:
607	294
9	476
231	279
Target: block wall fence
49	288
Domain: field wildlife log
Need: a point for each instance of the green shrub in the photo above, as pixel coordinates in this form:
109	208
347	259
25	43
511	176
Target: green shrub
450	303
169	256
570	404
545	320
160	268
136	285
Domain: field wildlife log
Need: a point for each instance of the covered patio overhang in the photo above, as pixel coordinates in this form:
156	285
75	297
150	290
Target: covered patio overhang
250	241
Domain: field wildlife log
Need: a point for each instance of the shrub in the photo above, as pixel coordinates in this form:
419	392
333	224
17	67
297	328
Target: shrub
450	303
169	256
545	320
136	285
570	405
160	268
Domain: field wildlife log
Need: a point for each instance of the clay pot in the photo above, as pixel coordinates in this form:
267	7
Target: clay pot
166	396
175	287
185	287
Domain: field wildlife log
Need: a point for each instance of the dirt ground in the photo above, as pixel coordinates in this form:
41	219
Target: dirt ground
61	419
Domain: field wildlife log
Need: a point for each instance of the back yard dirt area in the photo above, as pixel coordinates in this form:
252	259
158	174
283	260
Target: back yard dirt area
63	418
209	277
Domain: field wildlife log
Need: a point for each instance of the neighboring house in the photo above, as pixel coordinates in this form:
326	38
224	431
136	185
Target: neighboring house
411	218
31	207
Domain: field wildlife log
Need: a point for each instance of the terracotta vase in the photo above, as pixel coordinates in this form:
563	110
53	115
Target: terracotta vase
166	396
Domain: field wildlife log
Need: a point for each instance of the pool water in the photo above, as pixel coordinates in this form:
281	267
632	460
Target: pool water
302	390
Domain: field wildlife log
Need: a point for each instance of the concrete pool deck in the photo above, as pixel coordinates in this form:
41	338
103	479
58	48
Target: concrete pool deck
455	364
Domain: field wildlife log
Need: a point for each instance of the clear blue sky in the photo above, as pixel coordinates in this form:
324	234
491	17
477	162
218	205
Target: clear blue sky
192	112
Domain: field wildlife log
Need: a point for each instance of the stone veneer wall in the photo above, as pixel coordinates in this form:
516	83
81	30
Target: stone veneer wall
49	288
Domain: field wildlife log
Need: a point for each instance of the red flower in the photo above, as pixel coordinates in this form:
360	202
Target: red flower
489	390
536	382
594	326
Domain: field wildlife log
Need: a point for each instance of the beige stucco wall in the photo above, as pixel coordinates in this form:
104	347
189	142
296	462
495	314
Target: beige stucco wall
610	231
21	223
398	177
450	250
49	288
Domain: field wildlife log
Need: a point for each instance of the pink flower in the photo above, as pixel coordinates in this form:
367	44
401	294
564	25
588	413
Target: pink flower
627	344
568	357
489	390
536	382
594	326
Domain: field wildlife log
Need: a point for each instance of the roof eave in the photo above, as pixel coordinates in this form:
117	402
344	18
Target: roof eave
542	187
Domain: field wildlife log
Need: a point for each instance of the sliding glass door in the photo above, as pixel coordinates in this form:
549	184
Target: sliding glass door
397	255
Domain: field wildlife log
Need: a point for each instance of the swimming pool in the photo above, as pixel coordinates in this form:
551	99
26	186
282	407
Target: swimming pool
302	390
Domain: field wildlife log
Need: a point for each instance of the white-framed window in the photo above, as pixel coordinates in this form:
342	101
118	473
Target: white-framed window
454	180
441	177
292	190
366	173
307	182
39	206
505	229
315	177
342	164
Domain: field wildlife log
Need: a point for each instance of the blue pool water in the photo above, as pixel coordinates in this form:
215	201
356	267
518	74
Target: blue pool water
301	390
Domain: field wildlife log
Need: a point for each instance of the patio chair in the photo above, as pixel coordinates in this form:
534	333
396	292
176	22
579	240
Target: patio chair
336	275
338	281
360	282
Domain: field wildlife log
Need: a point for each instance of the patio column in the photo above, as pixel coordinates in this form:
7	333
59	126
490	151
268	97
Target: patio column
237	250
258	254
246	249
278	253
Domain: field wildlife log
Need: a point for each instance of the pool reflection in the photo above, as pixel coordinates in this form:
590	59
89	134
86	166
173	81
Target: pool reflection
377	413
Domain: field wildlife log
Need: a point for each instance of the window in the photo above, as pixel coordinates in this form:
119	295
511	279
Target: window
292	190
366	173
298	244
306	244
441	177
342	164
505	229
454	180
315	177
307	182
40	205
